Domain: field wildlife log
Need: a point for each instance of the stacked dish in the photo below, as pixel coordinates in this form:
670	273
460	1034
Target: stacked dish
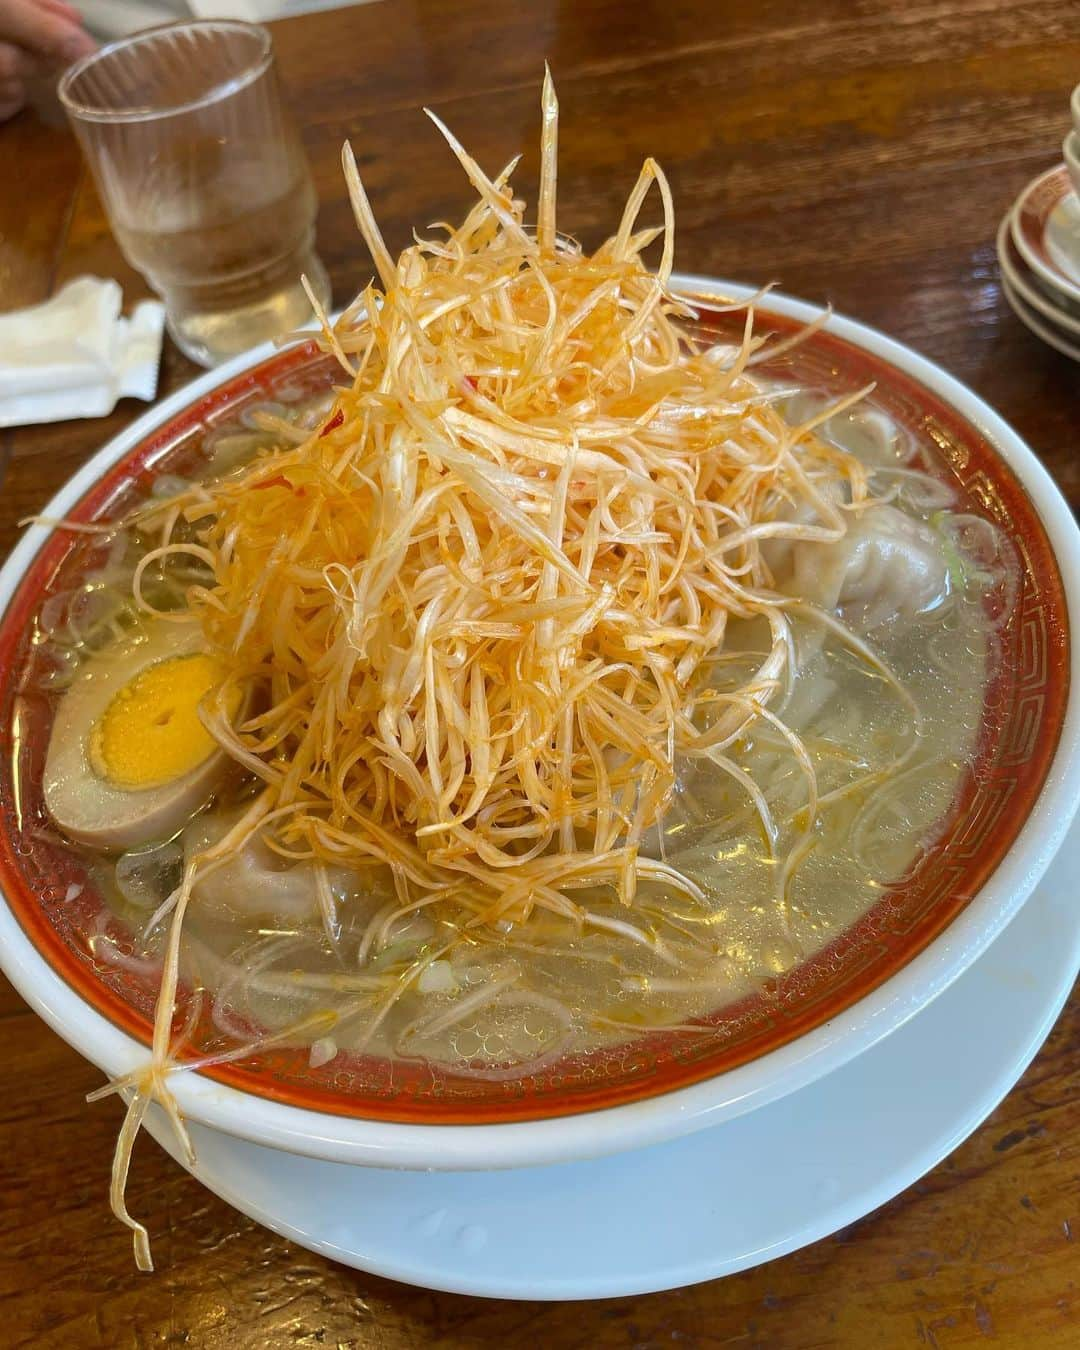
1038	246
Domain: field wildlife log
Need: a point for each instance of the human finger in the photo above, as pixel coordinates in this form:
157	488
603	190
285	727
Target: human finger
43	33
12	99
16	64
62	9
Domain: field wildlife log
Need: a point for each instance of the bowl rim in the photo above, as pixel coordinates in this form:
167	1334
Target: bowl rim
684	1109
1027	222
1070	150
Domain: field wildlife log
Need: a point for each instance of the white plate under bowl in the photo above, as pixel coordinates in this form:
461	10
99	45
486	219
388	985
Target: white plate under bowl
715	1202
561	1139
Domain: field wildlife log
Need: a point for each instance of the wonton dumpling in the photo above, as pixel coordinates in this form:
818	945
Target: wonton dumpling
887	564
257	883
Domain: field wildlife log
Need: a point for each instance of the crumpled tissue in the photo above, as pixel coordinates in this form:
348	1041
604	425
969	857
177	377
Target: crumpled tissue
75	355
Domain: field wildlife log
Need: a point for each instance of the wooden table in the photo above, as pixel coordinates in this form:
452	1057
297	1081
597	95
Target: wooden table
859	153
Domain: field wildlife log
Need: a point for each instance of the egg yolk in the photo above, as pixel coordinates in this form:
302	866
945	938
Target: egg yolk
150	733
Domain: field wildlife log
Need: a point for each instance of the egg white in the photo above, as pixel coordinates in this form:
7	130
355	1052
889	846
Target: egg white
89	808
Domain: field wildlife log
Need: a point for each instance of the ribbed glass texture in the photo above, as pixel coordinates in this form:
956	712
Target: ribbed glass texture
204	179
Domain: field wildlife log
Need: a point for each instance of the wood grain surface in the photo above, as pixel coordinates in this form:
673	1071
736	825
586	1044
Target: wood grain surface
857	152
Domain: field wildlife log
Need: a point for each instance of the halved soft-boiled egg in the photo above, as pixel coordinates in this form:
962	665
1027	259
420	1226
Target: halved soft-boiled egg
128	759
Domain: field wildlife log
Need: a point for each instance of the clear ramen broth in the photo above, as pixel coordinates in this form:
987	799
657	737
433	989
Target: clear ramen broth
890	735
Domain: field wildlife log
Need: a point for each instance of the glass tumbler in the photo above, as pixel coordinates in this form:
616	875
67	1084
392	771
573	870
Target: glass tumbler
204	179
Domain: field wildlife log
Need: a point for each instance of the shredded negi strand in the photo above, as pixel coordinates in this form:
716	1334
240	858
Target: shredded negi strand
476	609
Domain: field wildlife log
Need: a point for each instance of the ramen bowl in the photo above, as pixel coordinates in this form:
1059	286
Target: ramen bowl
1010	813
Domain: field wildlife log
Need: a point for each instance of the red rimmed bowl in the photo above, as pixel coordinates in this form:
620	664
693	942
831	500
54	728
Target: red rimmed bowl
1010	814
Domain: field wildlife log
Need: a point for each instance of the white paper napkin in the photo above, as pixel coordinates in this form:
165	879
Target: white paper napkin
74	356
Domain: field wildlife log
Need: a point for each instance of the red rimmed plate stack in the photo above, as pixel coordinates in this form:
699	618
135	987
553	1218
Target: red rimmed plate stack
1038	246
